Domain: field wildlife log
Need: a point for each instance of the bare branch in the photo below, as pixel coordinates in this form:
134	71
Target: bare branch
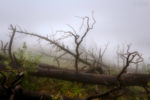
94	21
10	43
68	32
106	46
131	57
79	41
104	95
74	31
53	43
2	45
57	58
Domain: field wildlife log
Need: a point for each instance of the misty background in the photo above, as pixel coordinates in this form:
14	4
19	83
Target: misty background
118	22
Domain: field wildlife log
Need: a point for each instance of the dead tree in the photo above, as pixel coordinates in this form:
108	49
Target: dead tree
10	45
4	47
77	39
7	49
14	61
96	60
131	57
12	88
120	59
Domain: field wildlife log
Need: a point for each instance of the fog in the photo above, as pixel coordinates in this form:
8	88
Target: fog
117	21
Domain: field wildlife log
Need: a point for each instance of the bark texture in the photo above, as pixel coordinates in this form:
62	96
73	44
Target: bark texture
126	79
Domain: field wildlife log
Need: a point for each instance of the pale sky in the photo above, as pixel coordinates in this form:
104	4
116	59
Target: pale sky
117	21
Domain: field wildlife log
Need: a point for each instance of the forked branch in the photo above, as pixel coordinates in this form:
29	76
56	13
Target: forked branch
77	39
131	57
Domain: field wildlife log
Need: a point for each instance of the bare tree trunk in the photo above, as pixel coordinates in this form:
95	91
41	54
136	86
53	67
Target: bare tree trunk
10	44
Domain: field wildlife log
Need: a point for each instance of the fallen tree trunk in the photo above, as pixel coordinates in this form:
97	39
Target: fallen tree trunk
126	80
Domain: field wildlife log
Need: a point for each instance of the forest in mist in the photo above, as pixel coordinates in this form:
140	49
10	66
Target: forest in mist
74	50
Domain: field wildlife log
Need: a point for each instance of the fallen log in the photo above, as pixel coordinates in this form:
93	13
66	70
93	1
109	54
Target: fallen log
48	66
126	80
